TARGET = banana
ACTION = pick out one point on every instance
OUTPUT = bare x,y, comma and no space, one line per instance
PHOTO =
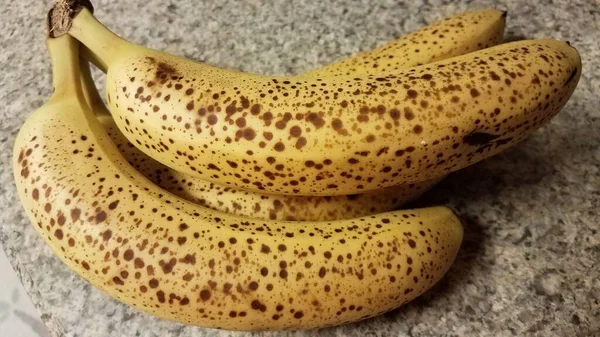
334,135
455,35
180,261
458,35
248,203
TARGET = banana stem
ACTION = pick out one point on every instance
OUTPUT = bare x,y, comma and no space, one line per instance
90,91
65,66
91,57
102,43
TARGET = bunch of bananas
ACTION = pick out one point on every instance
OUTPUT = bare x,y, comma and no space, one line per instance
250,202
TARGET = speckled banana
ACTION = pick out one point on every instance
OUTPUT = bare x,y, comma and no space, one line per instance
249,203
255,204
455,35
333,135
184,262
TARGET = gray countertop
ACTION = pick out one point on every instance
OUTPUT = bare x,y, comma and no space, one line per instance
530,261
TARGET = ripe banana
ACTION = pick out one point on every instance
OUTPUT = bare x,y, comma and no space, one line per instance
334,135
455,35
181,261
248,203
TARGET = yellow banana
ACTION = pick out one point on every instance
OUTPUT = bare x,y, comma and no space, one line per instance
248,203
334,135
175,259
455,35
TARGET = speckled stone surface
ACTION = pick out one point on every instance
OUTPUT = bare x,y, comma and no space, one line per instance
530,262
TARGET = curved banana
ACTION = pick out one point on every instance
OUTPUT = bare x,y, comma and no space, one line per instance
183,262
458,34
334,135
455,35
249,203
475,30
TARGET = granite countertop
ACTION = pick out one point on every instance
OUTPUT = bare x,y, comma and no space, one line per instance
530,261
